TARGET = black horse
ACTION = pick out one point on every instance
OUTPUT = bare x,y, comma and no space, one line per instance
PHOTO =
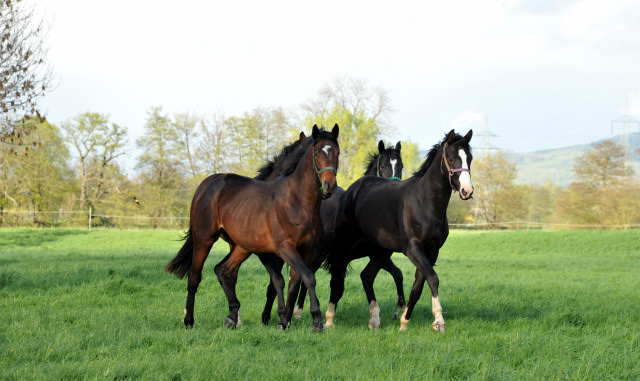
279,216
408,217
386,163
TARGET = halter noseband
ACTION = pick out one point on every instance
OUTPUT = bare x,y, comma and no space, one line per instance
319,172
378,170
449,170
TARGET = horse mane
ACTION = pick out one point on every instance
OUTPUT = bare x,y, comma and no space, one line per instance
293,163
276,161
372,158
431,156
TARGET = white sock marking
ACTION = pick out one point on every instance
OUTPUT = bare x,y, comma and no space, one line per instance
374,311
331,312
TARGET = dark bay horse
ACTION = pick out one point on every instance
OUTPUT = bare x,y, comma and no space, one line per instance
385,163
408,217
279,216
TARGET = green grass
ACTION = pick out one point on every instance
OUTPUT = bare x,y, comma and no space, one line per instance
77,304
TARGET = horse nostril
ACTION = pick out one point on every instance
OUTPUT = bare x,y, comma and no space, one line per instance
464,192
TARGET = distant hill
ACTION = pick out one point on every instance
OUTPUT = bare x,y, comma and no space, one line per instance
557,164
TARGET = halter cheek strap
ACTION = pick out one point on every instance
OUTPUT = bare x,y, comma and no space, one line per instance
449,170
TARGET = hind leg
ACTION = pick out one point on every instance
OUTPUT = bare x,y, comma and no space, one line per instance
368,276
396,273
201,249
273,265
227,272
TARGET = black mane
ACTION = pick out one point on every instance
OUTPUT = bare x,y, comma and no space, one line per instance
277,161
293,163
431,156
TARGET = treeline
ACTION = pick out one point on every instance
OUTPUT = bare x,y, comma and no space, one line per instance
76,166
605,193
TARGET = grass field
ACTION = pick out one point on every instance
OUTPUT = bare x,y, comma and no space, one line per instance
78,304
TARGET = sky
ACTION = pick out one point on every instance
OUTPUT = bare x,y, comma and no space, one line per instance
546,74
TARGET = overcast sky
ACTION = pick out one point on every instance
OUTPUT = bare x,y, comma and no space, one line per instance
546,73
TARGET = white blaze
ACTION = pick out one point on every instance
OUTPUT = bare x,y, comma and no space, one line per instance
465,177
326,149
393,167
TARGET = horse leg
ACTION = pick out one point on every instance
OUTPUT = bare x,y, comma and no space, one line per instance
273,265
368,276
316,262
227,272
201,249
338,271
424,271
290,255
396,273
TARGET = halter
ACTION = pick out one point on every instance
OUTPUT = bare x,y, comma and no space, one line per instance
449,170
378,170
319,172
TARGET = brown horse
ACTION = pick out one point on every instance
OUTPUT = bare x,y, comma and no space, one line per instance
280,217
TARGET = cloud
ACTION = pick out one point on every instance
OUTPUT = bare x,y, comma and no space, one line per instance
468,118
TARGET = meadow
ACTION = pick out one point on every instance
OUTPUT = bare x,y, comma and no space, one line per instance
79,304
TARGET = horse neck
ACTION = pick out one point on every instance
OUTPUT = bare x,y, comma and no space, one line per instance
434,187
305,182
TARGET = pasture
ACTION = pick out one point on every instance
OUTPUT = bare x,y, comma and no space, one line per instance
79,304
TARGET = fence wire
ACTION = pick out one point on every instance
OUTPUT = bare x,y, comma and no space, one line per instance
86,219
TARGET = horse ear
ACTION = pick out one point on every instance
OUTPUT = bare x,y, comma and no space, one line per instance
451,136
398,146
468,136
315,132
302,136
381,146
335,131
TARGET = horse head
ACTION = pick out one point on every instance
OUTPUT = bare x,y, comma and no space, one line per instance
326,154
456,159
389,162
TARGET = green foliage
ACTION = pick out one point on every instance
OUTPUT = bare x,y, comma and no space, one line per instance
604,191
518,305
39,178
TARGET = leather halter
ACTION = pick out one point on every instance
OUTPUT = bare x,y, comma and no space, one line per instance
449,170
378,170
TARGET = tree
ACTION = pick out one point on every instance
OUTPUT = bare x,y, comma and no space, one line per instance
24,74
161,183
493,177
257,136
214,147
39,179
602,165
361,111
604,191
98,144
185,125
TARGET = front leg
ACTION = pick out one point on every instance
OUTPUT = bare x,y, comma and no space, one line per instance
424,271
368,276
273,264
288,252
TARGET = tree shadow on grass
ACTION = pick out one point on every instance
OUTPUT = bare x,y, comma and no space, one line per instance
33,238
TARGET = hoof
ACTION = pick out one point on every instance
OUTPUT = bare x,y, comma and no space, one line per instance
317,329
395,316
265,320
230,323
374,324
438,327
297,313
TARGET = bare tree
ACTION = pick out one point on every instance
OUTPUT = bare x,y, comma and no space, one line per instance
214,146
24,73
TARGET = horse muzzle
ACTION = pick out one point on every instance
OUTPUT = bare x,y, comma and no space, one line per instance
328,187
466,192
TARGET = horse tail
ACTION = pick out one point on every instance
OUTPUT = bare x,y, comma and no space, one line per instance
181,264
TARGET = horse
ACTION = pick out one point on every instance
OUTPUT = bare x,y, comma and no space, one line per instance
386,163
408,217
279,216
